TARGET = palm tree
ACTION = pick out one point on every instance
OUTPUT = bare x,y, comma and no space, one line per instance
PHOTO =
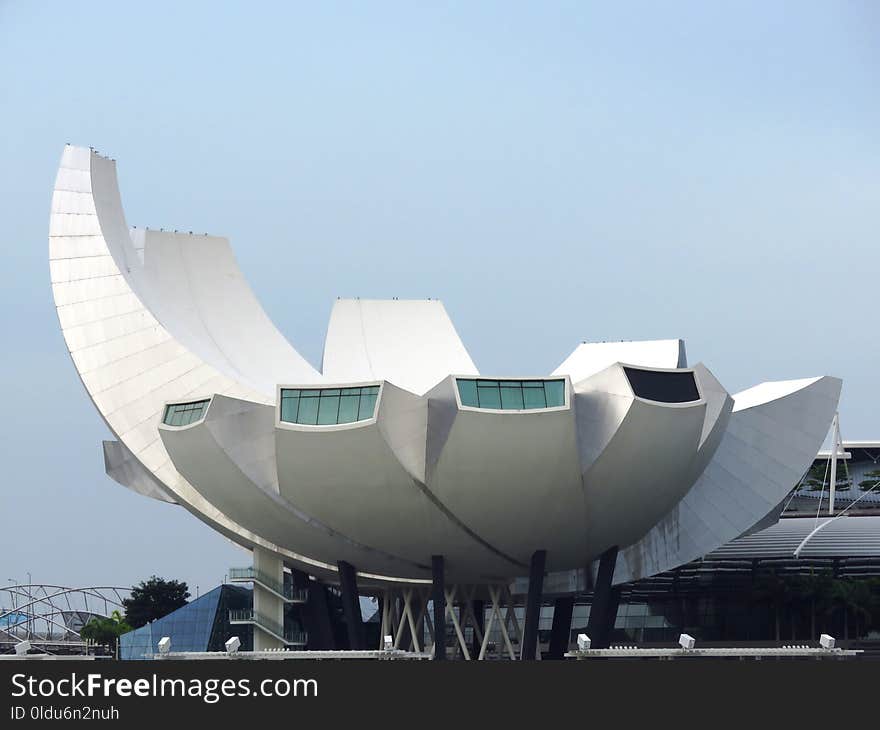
857,597
105,631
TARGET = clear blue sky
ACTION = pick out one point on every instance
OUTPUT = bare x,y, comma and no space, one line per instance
553,171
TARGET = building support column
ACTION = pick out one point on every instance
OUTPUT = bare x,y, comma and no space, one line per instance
560,633
533,606
315,613
351,607
438,597
479,611
606,599
416,608
266,604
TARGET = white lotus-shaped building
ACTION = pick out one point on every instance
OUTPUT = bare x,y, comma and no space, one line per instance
398,449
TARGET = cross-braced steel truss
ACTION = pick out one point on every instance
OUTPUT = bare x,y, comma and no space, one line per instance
53,615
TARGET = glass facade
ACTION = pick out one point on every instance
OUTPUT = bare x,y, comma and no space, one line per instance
189,628
328,406
200,625
183,414
511,395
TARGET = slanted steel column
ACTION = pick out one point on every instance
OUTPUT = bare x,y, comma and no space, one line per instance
316,613
560,632
606,599
416,608
533,605
479,609
438,597
351,607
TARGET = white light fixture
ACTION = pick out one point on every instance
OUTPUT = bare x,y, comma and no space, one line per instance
686,641
388,643
164,645
584,642
233,644
22,647
826,641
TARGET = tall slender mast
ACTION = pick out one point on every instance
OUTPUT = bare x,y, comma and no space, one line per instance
835,448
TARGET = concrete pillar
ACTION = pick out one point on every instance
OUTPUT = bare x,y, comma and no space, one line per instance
533,605
606,599
438,597
560,633
351,606
267,604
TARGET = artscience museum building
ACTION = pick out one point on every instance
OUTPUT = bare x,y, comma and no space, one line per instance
397,469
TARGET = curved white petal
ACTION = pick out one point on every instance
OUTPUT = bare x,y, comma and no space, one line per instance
195,287
771,439
128,361
124,469
365,480
638,455
228,454
512,478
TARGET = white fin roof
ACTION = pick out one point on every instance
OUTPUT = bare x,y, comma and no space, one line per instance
590,358
411,343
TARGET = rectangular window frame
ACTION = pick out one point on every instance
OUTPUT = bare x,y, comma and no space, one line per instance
341,394
527,382
179,414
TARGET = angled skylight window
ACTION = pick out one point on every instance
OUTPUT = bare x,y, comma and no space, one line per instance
511,395
328,406
183,414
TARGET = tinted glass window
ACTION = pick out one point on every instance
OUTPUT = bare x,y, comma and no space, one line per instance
664,387
511,395
183,414
328,406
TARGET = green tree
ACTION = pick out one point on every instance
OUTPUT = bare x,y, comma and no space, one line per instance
105,631
773,589
859,601
154,598
872,481
816,477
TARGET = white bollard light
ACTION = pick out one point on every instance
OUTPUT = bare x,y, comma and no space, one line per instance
388,642
164,644
686,641
826,641
233,644
583,642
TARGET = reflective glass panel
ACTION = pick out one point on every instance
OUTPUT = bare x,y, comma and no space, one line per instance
534,397
328,411
308,410
348,408
328,406
183,414
511,395
367,407
488,394
554,390
289,408
467,389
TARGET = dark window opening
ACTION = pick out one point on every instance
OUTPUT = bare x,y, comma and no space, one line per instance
664,387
